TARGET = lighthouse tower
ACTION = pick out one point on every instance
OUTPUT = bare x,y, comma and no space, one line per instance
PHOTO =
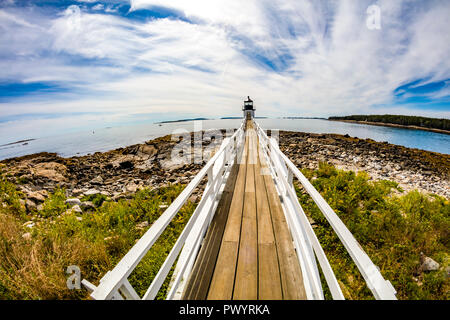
249,111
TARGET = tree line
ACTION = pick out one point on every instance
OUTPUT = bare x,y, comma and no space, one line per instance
434,123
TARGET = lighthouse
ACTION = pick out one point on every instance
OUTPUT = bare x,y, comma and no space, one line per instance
249,111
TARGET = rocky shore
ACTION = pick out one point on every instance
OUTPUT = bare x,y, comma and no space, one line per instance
120,173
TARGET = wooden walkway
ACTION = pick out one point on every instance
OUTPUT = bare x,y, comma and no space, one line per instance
247,253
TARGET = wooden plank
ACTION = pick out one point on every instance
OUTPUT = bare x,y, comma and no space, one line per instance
246,283
201,275
222,283
269,277
291,275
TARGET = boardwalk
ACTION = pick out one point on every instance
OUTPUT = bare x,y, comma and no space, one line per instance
247,252
248,237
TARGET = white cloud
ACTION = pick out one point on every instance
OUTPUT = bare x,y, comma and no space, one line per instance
98,7
335,64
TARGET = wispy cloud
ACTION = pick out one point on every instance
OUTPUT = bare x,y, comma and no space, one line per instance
314,58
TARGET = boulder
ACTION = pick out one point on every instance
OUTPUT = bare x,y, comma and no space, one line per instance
73,202
124,162
146,151
91,192
87,205
172,164
428,264
50,170
30,205
97,180
131,187
76,208
36,196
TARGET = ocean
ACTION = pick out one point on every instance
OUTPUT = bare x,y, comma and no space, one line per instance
100,140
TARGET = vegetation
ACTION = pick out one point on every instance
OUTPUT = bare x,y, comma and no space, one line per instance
392,228
433,123
33,261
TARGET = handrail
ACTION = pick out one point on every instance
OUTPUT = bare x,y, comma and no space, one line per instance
381,288
116,279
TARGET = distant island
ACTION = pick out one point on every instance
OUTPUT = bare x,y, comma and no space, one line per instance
182,120
17,142
399,121
294,118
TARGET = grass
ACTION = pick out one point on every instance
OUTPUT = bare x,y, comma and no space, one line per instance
95,241
392,228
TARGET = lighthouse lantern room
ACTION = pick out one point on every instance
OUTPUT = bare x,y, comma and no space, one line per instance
249,111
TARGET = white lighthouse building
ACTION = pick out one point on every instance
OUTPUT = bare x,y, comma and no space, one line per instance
249,111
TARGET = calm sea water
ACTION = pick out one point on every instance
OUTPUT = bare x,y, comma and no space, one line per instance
82,143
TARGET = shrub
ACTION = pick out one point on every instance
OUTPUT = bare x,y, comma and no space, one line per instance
393,230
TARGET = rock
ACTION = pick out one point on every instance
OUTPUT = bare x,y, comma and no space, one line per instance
27,236
50,170
193,198
29,224
74,201
91,192
76,208
77,192
37,196
428,264
172,164
30,205
146,151
105,193
124,162
142,225
87,205
97,180
131,188
110,238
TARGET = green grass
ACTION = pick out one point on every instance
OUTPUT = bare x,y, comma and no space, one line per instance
392,229
35,268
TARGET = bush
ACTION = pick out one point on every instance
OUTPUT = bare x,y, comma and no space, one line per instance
392,229
95,241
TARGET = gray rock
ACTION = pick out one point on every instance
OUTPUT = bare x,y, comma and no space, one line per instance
76,208
97,180
142,225
429,264
37,196
72,202
91,192
131,188
30,205
87,205
77,192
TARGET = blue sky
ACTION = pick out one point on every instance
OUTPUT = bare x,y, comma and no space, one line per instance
94,63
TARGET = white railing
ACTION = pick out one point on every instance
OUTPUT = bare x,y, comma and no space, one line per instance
114,285
307,245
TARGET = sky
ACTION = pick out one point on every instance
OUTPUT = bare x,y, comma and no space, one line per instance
67,65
